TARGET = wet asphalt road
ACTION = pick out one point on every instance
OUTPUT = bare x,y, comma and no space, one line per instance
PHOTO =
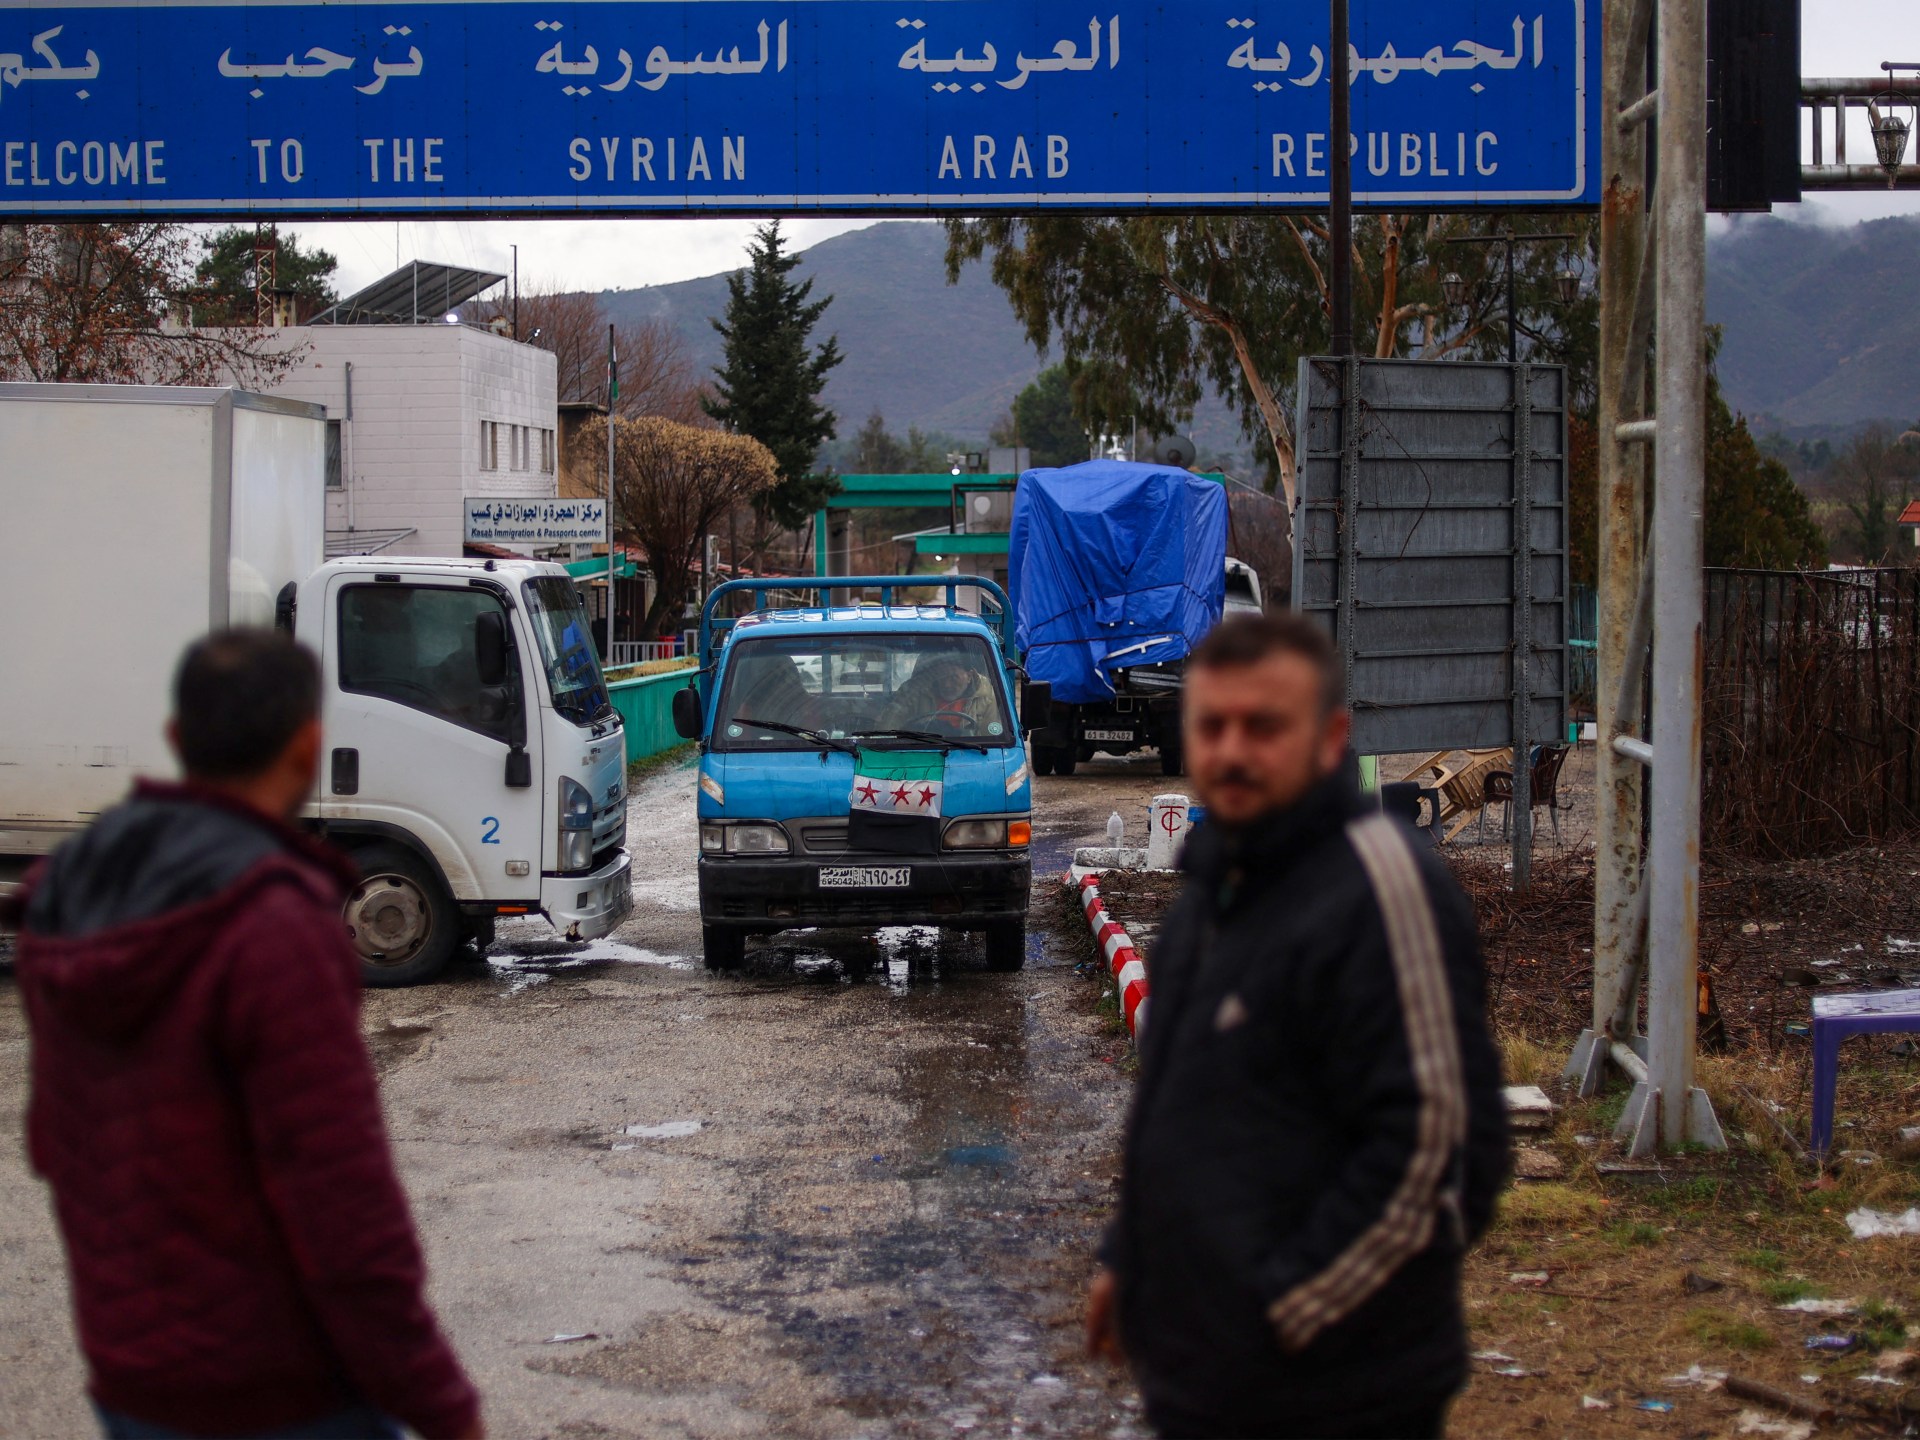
866,1207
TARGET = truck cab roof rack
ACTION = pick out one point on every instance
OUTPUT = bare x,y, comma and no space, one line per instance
995,614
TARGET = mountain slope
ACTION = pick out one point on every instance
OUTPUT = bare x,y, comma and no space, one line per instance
1818,320
943,357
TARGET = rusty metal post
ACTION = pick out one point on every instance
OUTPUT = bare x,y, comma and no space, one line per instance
1618,784
1680,461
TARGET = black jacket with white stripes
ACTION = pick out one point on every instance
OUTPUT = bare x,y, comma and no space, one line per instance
1318,1131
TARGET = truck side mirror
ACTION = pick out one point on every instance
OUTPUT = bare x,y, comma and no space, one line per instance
1036,699
686,713
490,647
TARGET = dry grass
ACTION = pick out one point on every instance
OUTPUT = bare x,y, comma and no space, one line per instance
1757,1227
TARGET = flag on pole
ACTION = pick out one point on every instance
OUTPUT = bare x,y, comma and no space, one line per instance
895,802
613,371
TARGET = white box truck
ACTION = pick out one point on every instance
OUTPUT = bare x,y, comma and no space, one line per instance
474,765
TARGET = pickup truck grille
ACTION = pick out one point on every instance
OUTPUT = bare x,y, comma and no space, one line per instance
823,837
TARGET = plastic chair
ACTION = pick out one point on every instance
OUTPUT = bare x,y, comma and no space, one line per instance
1544,767
1407,799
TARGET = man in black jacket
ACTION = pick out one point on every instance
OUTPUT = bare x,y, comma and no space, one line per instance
1318,1132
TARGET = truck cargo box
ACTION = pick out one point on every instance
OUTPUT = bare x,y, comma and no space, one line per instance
137,517
1113,565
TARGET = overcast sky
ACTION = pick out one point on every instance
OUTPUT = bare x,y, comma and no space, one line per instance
1839,37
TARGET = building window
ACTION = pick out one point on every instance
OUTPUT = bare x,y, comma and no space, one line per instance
489,445
334,480
546,453
519,447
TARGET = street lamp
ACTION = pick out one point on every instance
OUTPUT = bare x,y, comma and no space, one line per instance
1889,130
1457,291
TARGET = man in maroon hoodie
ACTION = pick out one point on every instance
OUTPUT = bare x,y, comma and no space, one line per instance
203,1106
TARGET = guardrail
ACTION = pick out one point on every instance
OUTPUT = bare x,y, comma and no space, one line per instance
645,704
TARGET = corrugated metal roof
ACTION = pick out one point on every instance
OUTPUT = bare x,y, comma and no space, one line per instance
419,292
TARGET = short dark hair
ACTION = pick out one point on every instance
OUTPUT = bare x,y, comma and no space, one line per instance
1249,639
239,697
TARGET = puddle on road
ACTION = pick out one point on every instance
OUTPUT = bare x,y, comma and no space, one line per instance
522,964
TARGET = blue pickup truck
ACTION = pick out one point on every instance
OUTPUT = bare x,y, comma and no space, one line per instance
861,764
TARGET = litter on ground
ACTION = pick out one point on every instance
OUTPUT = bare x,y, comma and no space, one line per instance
1865,1224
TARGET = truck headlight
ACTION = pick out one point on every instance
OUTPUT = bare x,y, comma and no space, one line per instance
756,840
976,835
576,850
576,826
713,838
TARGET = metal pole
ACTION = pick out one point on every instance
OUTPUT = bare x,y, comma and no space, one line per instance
1673,872
1618,781
1513,350
1340,196
1520,807
613,391
516,291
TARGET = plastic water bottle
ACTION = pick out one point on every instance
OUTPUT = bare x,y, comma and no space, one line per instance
1116,830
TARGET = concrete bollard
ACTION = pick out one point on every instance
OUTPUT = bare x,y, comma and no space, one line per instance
1166,828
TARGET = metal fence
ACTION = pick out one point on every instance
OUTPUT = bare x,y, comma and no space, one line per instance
1812,709
1583,655
642,652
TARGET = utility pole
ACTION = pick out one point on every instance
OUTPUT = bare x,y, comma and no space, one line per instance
613,394
1651,592
516,290
1340,196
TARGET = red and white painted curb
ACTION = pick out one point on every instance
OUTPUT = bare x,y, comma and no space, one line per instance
1129,970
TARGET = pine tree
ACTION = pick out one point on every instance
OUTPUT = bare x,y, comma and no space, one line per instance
769,382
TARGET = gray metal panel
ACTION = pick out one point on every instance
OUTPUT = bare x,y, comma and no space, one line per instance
1414,566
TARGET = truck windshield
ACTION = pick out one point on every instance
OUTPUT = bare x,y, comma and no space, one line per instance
850,686
566,648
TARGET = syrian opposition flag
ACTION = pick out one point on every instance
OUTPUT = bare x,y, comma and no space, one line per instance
895,804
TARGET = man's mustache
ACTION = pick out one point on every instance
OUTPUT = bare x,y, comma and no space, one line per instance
1233,775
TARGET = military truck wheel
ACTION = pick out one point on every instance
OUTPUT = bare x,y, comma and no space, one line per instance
1007,946
1042,761
400,917
1064,762
1173,760
725,949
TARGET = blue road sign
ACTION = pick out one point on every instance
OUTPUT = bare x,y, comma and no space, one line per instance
663,106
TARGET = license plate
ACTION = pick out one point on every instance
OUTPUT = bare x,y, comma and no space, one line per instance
1126,735
865,877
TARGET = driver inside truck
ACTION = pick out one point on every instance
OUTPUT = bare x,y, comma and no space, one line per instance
945,690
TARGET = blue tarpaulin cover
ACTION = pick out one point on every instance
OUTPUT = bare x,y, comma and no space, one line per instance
1108,557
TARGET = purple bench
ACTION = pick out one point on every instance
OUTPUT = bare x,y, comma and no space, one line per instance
1835,1017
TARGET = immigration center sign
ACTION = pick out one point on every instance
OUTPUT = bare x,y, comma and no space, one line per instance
862,106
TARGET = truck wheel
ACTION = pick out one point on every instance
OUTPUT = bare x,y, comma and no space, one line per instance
1006,946
725,949
400,917
1064,762
1042,761
1173,760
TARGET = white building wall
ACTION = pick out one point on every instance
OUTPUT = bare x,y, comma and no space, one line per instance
411,451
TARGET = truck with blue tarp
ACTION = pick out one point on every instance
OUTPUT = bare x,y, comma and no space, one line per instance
861,761
1117,570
